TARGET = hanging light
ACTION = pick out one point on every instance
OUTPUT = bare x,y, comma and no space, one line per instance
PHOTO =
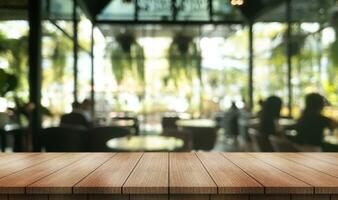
237,2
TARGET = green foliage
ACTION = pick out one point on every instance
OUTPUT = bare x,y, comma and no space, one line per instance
61,48
15,52
184,60
331,86
8,82
127,58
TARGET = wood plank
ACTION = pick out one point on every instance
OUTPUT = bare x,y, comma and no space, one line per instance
274,180
11,185
229,178
27,197
334,197
270,197
67,197
150,176
110,177
308,161
326,157
63,180
149,197
188,176
7,158
107,197
323,183
229,197
3,196
18,162
310,197
190,197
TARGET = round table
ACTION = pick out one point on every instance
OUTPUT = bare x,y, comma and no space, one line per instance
123,122
196,123
145,143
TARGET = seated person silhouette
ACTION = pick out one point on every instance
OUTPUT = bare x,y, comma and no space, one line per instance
75,118
270,115
310,126
231,126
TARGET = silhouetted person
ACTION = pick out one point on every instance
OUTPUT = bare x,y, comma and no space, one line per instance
269,115
310,126
75,118
86,108
231,121
260,103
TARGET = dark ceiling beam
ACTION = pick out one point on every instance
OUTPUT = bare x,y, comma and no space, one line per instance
93,7
158,22
14,7
253,9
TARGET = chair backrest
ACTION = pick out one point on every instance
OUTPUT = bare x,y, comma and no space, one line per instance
281,144
98,137
74,119
136,125
260,141
64,139
204,138
169,122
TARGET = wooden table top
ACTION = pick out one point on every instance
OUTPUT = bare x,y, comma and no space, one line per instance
169,173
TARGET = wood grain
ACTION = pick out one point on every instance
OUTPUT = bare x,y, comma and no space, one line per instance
188,176
16,162
67,197
16,183
7,158
323,183
229,197
3,196
174,176
274,180
270,197
326,157
229,178
150,176
62,181
108,197
189,197
27,197
148,197
310,197
325,167
110,177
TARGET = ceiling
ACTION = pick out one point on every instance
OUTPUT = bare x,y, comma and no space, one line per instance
161,18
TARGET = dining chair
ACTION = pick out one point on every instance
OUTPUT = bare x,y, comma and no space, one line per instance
98,137
64,139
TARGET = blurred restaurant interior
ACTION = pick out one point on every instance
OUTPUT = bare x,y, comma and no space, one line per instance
168,75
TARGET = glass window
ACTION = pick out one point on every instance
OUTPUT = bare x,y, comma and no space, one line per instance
192,10
154,9
223,10
270,64
14,58
118,10
57,68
